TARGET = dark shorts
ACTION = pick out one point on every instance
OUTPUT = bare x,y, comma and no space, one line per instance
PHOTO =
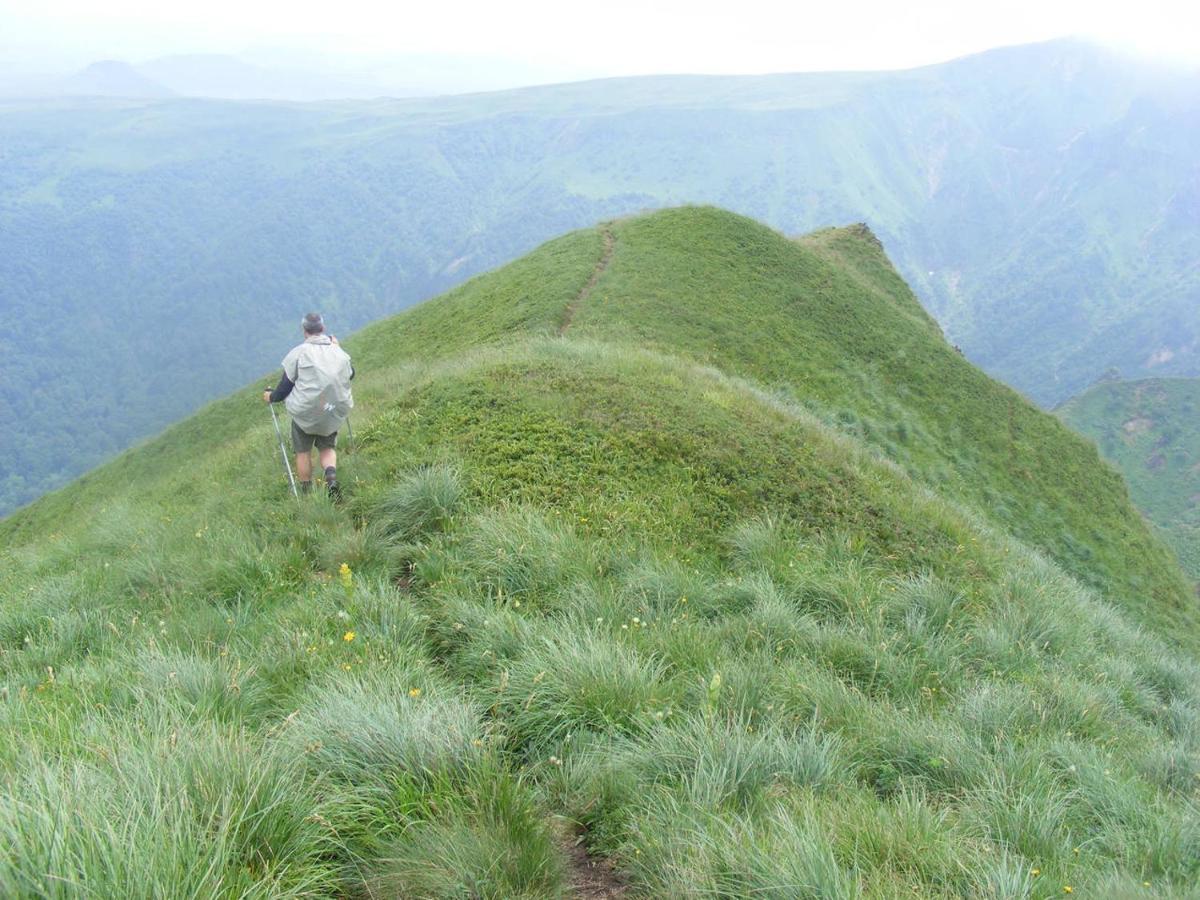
302,441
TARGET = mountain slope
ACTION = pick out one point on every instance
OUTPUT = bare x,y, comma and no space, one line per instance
605,574
1040,200
828,321
1148,429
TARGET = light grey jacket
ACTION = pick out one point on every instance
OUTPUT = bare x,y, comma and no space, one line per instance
321,398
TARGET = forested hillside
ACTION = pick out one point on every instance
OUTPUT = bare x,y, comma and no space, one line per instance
1150,430
1042,201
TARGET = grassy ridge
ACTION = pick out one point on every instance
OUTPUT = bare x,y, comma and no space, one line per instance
828,322
1149,430
600,583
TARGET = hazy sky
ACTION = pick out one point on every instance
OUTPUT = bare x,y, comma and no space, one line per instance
597,37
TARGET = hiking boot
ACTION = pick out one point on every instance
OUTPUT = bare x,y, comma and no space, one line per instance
331,485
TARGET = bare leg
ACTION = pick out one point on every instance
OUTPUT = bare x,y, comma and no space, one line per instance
328,458
304,467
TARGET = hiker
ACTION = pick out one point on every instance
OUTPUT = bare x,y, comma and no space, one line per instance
316,387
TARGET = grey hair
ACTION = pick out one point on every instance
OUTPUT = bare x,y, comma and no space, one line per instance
312,323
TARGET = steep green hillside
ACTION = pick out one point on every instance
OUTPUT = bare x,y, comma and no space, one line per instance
1150,430
624,563
134,231
826,321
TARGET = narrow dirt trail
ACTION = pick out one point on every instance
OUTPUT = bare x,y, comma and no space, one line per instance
597,273
589,877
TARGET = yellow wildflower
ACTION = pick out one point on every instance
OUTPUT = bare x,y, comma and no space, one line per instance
346,576
414,692
348,636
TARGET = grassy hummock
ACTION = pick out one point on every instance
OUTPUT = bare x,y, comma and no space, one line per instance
672,583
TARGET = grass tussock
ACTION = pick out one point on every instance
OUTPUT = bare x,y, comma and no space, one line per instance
194,812
419,504
489,840
375,728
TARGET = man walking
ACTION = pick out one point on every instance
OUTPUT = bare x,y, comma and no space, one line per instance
316,387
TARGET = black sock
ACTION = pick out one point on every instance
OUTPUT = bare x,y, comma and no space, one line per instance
330,473
306,487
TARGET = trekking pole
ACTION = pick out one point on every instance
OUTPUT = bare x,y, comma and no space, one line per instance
283,451
350,435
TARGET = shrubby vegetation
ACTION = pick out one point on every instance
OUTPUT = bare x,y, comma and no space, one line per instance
594,590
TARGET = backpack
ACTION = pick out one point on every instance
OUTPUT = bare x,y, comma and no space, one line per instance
321,398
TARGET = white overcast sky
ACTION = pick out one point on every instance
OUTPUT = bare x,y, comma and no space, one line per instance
615,37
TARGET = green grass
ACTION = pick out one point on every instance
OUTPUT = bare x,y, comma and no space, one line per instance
666,591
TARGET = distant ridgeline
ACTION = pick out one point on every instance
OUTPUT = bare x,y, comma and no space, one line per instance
156,253
678,558
1150,430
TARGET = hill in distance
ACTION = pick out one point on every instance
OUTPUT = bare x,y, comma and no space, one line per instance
1041,201
112,78
676,538
1150,430
288,76
215,75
